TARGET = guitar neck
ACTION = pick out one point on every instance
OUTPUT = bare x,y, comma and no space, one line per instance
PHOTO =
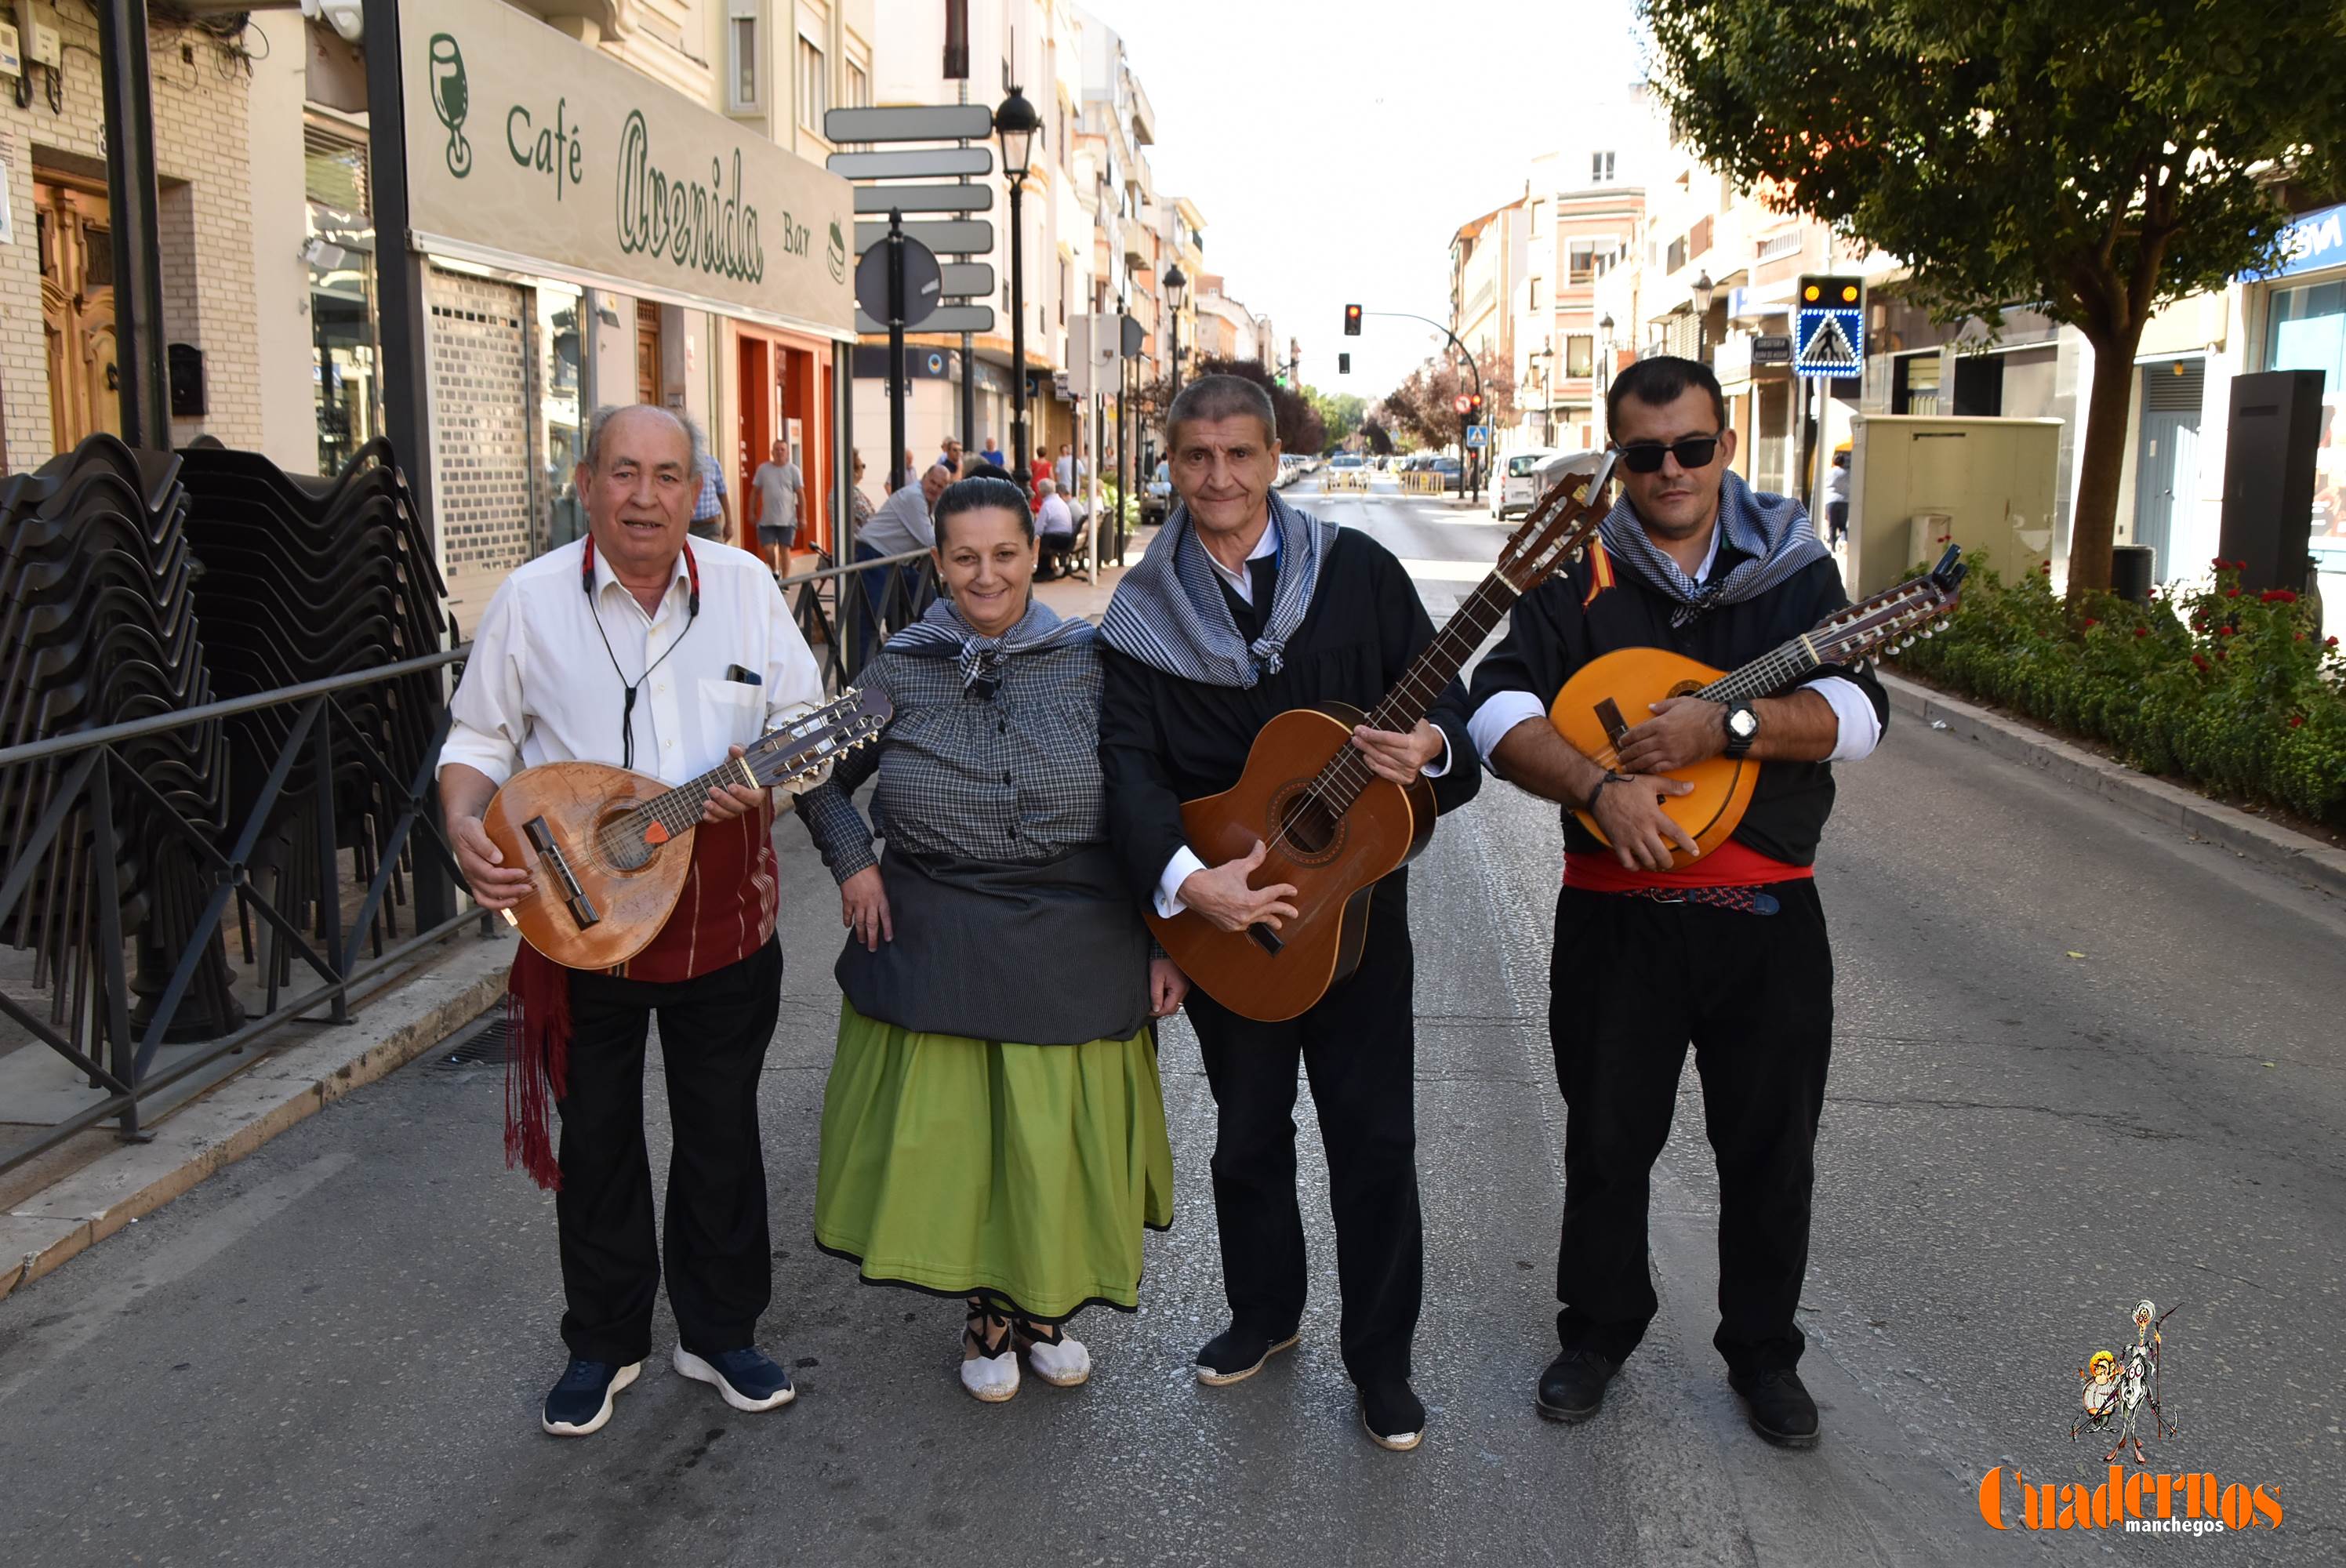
1770,673
1438,665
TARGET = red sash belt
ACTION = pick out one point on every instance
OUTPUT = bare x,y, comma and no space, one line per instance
1734,864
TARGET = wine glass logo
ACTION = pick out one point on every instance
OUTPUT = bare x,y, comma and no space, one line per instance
450,99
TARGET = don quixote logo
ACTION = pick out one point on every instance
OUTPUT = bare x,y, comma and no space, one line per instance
2118,1399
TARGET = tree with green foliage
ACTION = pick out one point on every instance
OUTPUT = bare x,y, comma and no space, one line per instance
1299,425
2094,162
1341,413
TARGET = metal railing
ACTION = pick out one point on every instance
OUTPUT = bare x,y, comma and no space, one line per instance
844,619
86,773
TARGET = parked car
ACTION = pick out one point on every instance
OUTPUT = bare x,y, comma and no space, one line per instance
1454,476
1516,485
1157,497
1347,463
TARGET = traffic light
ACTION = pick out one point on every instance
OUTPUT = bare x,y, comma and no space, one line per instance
1474,405
1832,293
1343,365
1352,321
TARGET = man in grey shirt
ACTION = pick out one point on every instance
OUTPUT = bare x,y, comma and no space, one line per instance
781,492
902,524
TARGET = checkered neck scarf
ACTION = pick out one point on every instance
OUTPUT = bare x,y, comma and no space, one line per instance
940,632
1773,530
1169,613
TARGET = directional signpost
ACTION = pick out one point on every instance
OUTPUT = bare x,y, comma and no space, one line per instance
967,237
925,198
896,283
927,122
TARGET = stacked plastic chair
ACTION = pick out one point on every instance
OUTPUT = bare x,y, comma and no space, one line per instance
305,579
98,626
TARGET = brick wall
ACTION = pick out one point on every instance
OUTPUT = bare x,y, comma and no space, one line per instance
200,129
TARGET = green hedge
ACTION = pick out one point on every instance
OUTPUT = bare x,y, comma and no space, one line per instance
2238,691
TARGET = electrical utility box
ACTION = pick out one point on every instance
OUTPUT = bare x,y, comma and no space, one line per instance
1919,482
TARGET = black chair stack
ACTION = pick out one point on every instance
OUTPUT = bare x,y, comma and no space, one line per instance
306,579
98,626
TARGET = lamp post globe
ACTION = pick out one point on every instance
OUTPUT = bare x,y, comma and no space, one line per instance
1016,122
1703,290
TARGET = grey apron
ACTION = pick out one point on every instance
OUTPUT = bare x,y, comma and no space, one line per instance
1047,954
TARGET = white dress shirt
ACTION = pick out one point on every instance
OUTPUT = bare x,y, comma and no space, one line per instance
540,687
1860,728
1185,859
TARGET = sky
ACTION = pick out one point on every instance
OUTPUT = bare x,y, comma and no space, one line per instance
1334,145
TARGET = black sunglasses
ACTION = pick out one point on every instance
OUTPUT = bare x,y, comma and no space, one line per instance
1691,451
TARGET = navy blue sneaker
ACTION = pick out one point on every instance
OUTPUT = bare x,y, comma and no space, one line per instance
747,1378
581,1403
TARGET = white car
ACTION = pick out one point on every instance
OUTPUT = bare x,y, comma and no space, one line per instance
1528,474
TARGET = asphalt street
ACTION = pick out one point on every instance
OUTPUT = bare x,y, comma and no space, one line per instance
2079,1061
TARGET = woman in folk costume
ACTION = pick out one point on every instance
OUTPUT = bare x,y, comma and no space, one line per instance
992,1128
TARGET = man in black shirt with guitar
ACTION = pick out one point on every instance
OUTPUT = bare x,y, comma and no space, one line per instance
1661,941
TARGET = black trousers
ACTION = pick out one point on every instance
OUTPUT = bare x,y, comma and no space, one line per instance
1359,1044
714,1030
1632,983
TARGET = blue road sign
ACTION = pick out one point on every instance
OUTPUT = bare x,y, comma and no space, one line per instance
1829,327
1478,436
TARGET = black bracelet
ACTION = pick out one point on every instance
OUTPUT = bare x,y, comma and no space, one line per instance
1598,788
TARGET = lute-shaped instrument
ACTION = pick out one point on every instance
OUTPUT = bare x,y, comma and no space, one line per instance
1593,710
608,849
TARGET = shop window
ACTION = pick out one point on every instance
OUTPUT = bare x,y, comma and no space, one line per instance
742,93
814,85
340,252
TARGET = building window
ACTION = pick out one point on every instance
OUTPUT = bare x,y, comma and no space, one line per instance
1676,257
814,85
741,86
1914,384
1065,285
1580,262
1577,359
1698,238
1600,168
1533,302
1777,245
1539,211
859,87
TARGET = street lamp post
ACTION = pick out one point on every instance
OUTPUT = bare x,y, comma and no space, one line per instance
1174,284
1545,355
1703,290
1604,355
1016,122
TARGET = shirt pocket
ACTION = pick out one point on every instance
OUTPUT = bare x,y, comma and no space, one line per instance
734,711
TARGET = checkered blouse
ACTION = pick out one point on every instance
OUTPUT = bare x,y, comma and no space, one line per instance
1013,776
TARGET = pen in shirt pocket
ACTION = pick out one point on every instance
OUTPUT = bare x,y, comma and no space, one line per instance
746,676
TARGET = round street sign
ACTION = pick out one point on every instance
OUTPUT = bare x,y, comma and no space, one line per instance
922,282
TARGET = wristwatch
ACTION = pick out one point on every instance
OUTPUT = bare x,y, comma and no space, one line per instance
1742,728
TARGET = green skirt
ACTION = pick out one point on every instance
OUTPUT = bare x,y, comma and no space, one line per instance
1023,1174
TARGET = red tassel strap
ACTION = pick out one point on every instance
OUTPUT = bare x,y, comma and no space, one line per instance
537,1062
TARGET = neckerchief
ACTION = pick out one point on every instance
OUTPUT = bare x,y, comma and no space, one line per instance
1168,612
1774,531
940,632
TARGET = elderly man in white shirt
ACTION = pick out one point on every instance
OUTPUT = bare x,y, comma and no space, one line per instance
635,647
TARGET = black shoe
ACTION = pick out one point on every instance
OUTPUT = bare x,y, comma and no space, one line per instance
1394,1416
1779,1407
746,1379
1572,1387
581,1403
1236,1354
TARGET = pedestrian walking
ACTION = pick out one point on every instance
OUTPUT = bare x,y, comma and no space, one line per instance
781,489
1723,574
1243,608
712,509
1837,497
983,1135
637,648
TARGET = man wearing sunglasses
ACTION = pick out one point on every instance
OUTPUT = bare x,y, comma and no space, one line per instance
1727,952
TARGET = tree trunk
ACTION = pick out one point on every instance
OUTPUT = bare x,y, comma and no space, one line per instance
2101,461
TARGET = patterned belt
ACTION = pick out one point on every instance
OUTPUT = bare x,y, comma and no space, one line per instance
1743,900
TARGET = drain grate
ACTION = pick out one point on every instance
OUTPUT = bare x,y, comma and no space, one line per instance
485,1043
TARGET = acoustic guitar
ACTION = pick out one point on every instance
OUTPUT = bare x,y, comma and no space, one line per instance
1332,827
1592,710
608,849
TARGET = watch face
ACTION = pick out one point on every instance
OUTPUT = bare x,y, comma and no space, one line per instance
1742,723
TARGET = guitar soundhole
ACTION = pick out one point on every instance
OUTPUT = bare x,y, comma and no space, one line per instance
1686,688
621,846
1307,828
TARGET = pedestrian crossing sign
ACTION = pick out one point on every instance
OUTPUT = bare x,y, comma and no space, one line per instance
1829,327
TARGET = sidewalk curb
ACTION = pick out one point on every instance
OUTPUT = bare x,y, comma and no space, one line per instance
209,1134
2277,848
